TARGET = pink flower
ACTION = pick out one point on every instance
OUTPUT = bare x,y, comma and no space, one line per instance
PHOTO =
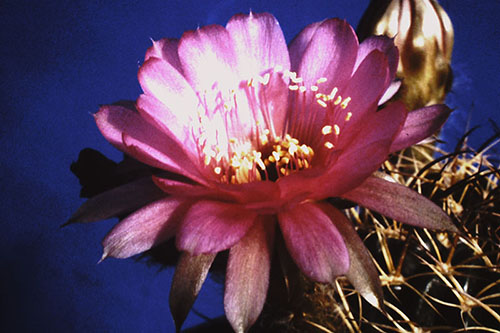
259,135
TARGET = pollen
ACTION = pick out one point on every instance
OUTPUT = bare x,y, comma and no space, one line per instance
322,103
326,130
345,102
336,129
338,100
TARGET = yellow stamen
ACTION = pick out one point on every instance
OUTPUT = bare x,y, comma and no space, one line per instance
326,130
348,116
337,129
320,102
345,102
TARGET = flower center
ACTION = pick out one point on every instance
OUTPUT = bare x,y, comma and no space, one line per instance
240,142
275,158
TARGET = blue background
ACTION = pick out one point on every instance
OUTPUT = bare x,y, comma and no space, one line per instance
58,61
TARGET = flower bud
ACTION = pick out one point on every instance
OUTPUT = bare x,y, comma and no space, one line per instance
423,33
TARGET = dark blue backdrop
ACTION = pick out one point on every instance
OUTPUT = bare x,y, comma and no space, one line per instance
58,61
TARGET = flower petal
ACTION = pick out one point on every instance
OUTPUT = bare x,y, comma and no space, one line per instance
118,201
362,272
247,275
190,273
336,42
259,43
180,188
129,132
419,125
390,92
365,89
161,80
207,56
376,126
299,45
383,44
260,46
314,242
364,152
143,229
211,226
400,203
172,122
166,49
163,154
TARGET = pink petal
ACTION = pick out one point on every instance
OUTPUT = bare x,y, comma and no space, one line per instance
181,188
362,272
390,92
208,57
118,201
260,46
336,43
247,275
419,125
383,44
172,122
313,242
261,197
211,226
190,273
300,43
353,169
363,153
273,101
143,141
143,229
376,126
400,203
163,154
161,80
113,120
166,49
365,89
258,42
254,192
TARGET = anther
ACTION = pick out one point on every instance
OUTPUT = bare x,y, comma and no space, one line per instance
336,129
320,102
345,102
326,130
328,145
